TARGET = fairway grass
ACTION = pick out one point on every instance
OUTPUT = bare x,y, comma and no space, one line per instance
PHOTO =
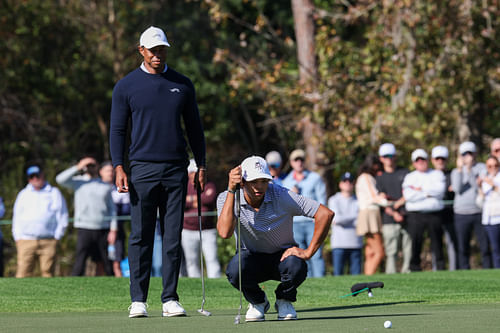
460,301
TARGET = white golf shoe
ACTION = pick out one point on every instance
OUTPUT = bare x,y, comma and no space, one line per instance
173,309
285,310
256,312
137,309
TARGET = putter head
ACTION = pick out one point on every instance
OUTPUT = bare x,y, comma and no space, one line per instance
204,312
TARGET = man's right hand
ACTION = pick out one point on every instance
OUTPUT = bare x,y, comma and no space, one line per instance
121,179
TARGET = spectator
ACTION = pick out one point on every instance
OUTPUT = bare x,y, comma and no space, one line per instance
160,106
394,228
346,245
423,190
116,251
464,182
273,159
495,148
369,223
268,248
39,221
489,192
439,156
94,215
2,212
191,231
310,185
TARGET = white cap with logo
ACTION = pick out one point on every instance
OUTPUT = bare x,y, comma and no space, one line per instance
152,37
440,151
387,149
419,153
467,147
255,167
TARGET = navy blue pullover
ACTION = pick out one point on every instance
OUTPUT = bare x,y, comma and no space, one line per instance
155,103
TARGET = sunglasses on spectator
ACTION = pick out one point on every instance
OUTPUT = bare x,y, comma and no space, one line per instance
299,159
388,156
34,175
492,166
440,158
420,159
467,153
274,166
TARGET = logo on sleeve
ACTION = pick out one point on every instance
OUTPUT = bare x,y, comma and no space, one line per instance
175,90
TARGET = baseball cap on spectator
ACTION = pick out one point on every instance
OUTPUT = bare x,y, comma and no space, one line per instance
33,170
255,167
152,37
387,149
273,159
347,176
419,153
467,147
440,151
192,166
297,153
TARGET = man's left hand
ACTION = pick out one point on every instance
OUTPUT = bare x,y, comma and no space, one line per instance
295,251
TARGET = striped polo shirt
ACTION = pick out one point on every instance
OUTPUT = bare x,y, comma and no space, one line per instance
270,229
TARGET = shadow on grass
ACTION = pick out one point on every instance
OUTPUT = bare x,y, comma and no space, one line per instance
333,308
385,315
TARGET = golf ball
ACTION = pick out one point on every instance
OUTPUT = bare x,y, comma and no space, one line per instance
387,324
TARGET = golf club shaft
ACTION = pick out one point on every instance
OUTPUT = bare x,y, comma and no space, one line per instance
198,198
238,202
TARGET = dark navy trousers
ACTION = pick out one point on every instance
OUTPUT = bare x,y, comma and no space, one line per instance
156,188
259,267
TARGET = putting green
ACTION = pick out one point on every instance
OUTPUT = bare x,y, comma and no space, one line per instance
405,317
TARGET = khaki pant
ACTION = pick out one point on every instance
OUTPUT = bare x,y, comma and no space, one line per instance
27,252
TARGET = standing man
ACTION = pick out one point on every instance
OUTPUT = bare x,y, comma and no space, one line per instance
310,185
423,190
155,98
95,213
394,228
268,249
39,221
275,163
464,181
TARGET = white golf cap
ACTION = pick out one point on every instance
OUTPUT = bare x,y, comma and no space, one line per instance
419,153
387,149
255,167
440,151
297,153
467,146
152,37
273,158
192,166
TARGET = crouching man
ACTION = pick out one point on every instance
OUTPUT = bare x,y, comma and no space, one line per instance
268,250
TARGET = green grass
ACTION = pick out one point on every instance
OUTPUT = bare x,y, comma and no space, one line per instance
459,301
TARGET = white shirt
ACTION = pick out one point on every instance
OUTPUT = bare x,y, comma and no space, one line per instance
429,198
39,214
270,229
490,206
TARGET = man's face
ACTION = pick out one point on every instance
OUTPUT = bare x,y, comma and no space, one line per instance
421,164
274,169
388,161
439,163
346,186
256,189
154,58
495,149
297,164
37,180
106,174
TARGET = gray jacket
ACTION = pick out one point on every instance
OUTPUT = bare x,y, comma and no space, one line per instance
464,184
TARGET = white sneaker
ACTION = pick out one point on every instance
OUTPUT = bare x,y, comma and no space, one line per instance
137,309
285,310
173,309
256,312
